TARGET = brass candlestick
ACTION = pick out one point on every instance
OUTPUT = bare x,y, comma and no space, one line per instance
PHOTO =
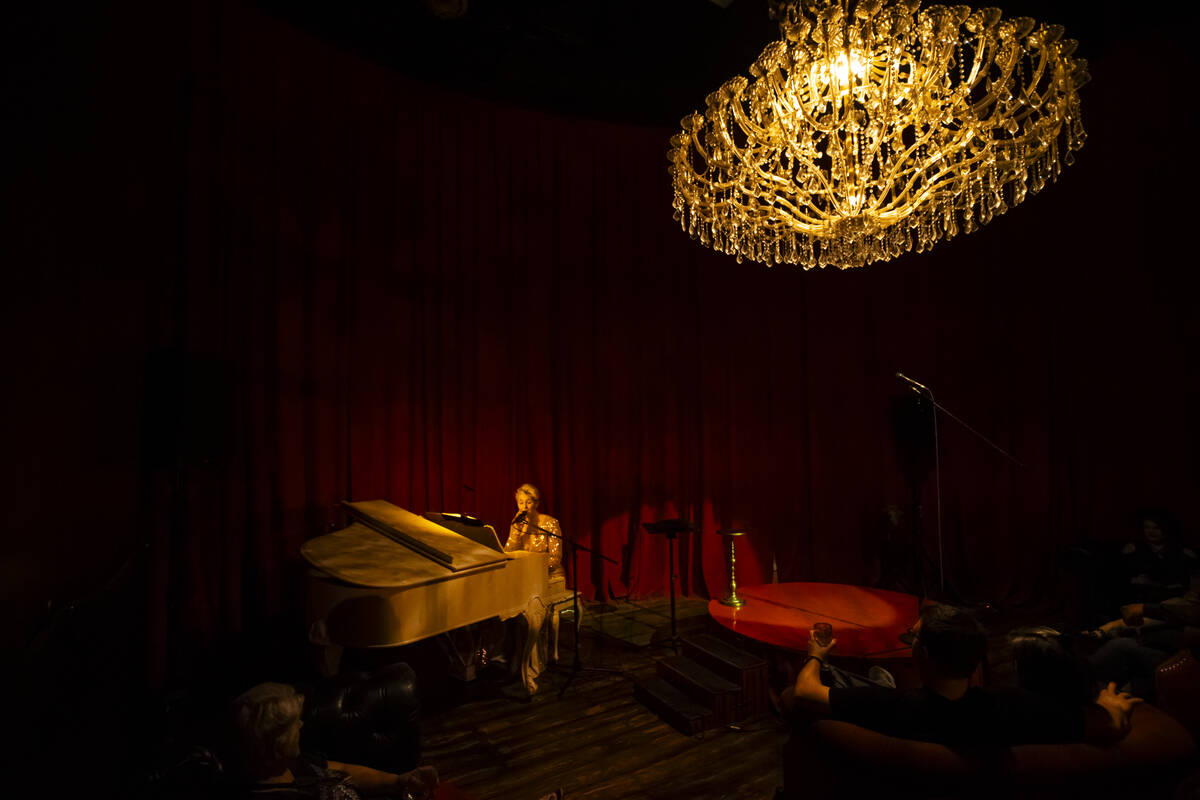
732,598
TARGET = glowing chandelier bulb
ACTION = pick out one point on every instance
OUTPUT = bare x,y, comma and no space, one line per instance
845,66
870,129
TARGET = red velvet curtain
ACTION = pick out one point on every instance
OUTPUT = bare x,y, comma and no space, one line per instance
380,289
424,297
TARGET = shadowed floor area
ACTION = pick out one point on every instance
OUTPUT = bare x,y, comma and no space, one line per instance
597,741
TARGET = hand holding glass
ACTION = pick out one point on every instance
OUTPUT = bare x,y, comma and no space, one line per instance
822,633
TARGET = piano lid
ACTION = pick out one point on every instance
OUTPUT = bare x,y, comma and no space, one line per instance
439,544
359,555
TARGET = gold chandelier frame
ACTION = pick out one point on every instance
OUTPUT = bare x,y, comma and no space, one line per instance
872,128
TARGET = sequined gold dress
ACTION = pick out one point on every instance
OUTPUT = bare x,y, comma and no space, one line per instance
523,536
527,645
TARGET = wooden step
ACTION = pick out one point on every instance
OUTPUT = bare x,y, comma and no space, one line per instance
702,685
676,708
748,671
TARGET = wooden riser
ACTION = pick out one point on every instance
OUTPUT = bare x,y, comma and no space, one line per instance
748,671
676,708
702,685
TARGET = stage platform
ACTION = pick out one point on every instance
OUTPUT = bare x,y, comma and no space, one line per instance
866,621
646,621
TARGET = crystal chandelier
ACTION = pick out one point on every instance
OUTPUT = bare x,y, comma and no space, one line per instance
870,129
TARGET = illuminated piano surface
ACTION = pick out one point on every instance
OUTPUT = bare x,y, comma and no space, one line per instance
393,577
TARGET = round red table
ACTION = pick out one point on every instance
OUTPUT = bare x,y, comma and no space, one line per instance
866,622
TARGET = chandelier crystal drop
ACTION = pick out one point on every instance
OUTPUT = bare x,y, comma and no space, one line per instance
872,128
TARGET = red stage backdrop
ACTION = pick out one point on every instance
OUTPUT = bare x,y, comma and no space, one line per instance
366,288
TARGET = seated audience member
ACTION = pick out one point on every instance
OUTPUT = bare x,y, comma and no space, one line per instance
1145,636
1156,565
1047,667
832,676
949,646
267,726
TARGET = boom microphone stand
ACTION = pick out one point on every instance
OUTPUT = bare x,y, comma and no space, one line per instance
925,392
576,663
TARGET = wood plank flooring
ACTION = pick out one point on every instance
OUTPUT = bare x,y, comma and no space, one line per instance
597,741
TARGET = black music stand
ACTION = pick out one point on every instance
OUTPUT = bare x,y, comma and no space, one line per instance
671,528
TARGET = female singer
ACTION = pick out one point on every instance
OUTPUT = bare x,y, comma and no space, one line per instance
523,534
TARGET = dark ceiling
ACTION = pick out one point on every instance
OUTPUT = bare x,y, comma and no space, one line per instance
644,61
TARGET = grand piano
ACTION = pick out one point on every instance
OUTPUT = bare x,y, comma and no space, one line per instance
393,577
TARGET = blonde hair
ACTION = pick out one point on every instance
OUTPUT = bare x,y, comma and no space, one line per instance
265,719
531,490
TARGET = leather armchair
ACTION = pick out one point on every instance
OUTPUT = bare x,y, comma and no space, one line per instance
364,718
1177,689
837,757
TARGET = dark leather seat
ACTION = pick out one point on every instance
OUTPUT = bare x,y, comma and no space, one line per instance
364,718
839,758
1177,689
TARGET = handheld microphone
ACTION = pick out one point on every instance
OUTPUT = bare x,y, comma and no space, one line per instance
917,384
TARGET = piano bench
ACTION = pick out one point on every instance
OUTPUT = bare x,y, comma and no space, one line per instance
558,599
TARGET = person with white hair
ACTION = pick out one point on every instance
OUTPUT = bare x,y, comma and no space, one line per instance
519,642
530,526
267,721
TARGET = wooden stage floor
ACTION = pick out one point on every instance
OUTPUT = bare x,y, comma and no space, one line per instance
598,742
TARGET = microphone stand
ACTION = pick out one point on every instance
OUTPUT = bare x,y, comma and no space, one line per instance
576,663
924,391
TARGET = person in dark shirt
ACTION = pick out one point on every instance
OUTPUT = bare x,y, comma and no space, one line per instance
1048,666
1156,565
950,644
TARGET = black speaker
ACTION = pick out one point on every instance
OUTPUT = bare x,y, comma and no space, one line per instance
912,430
